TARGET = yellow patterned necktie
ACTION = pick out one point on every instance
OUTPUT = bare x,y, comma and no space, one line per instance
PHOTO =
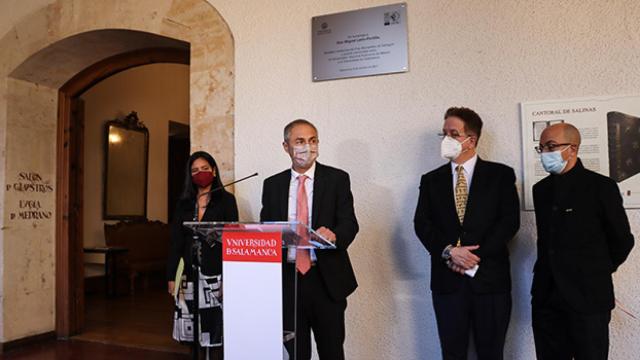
461,195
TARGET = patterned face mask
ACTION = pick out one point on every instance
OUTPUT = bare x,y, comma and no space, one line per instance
305,155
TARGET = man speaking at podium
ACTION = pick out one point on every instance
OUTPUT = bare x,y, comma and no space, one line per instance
318,195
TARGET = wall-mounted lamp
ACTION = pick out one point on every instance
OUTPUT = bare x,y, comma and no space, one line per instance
115,138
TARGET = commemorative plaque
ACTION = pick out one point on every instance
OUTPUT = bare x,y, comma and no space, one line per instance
362,42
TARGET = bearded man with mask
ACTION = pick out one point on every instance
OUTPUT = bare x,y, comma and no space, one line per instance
583,237
320,196
468,210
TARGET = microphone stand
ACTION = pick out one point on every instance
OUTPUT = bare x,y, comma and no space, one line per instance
196,260
229,184
196,257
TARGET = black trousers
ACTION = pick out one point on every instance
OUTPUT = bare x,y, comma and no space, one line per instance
318,312
459,312
561,333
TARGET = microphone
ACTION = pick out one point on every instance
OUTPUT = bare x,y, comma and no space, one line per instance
229,184
236,181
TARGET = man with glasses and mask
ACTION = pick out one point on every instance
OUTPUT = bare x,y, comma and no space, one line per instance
583,237
467,212
320,196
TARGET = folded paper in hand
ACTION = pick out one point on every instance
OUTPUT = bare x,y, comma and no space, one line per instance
472,272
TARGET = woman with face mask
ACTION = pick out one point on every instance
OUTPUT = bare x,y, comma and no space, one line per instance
203,199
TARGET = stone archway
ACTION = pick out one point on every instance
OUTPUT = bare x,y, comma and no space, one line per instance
47,49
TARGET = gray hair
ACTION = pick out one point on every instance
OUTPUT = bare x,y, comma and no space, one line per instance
287,129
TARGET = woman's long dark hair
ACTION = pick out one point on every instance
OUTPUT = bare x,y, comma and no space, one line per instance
190,189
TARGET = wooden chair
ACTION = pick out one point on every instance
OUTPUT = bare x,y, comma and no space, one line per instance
147,243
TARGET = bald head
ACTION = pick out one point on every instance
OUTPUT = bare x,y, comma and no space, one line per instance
562,133
570,132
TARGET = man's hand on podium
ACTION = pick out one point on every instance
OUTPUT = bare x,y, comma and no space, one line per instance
327,234
171,287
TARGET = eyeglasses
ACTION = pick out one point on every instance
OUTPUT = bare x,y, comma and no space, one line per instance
454,135
549,147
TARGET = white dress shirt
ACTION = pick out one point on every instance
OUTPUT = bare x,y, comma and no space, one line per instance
468,166
293,202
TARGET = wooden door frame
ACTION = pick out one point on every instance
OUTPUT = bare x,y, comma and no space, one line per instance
69,180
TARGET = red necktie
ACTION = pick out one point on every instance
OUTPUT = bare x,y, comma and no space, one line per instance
303,257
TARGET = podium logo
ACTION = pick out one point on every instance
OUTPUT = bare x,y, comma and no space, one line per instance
252,246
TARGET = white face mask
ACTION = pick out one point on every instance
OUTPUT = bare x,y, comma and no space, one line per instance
304,155
552,162
451,148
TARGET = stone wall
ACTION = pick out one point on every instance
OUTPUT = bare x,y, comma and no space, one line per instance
46,45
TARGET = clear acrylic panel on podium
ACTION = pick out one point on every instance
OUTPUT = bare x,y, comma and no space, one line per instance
295,235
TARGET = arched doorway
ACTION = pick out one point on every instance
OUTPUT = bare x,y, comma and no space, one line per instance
71,45
69,242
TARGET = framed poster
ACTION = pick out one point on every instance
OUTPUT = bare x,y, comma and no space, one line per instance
610,131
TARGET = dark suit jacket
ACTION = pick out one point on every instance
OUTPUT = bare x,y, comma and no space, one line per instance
583,236
222,208
491,219
332,208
